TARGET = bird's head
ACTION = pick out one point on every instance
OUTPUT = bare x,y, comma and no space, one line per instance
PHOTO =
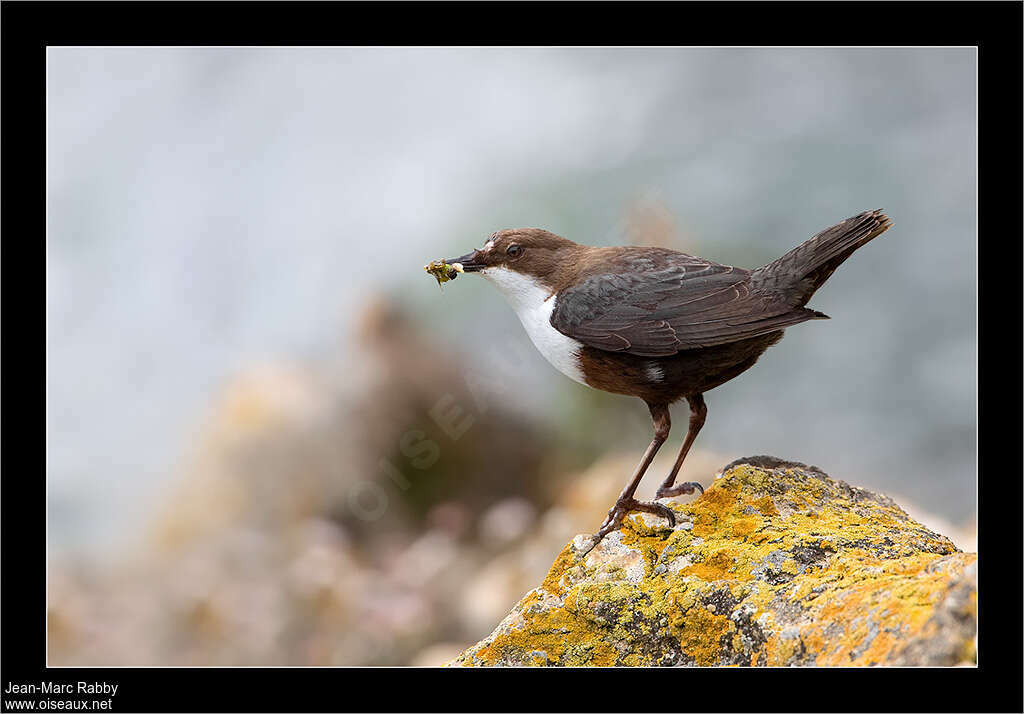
518,259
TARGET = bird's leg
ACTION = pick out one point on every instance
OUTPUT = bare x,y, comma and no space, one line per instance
698,411
626,502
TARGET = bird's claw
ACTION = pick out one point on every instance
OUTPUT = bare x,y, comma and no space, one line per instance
679,489
619,511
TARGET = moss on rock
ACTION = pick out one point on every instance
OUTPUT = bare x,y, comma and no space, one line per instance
775,565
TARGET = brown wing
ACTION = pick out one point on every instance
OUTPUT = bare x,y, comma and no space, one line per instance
656,304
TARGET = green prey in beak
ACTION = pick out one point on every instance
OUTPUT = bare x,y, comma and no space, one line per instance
443,271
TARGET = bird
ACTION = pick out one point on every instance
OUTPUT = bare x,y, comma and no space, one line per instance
656,323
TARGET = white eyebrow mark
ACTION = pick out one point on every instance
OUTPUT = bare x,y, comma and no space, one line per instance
489,245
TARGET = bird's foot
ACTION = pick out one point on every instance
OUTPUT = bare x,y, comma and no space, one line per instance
679,489
618,512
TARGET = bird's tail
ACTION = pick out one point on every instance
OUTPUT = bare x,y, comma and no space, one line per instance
801,271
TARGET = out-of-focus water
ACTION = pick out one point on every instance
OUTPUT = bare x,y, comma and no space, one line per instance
209,208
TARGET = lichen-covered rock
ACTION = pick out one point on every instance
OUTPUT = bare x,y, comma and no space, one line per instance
776,564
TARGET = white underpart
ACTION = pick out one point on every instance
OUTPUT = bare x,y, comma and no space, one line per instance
534,304
654,372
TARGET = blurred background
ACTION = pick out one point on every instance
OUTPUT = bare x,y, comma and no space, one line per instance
271,438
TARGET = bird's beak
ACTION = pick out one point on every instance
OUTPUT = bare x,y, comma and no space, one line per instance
469,262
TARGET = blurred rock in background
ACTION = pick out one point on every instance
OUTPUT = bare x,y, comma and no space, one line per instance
325,517
383,443
262,555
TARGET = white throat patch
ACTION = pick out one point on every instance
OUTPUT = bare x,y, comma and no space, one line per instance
534,304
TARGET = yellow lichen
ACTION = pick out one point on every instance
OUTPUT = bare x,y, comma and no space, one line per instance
700,633
565,560
651,542
720,566
861,574
742,527
765,505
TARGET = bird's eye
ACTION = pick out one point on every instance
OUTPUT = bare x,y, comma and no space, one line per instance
513,250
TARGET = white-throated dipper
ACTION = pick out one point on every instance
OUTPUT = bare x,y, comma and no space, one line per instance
655,323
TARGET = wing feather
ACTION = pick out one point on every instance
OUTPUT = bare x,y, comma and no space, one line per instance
672,302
